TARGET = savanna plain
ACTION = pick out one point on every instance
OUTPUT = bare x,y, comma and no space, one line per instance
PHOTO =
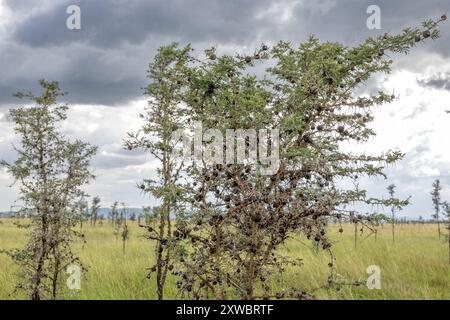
414,267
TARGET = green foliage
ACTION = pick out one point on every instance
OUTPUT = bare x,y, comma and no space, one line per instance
238,218
163,116
50,170
436,199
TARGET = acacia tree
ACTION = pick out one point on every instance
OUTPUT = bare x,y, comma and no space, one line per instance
95,207
391,189
240,216
163,116
123,227
81,209
50,170
446,207
148,216
436,199
393,203
120,218
113,214
378,219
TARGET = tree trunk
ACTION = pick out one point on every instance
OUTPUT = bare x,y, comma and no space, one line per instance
159,259
393,227
36,290
55,274
439,227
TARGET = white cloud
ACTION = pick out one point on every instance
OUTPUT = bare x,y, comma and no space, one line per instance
281,12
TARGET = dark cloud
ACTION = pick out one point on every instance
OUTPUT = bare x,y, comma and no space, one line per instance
107,23
110,24
439,81
105,61
81,91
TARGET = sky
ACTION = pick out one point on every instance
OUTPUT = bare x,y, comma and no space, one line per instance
103,67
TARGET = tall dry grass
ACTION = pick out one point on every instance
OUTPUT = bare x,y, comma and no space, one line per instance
416,267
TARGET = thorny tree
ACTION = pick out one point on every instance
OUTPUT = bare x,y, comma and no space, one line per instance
436,198
391,190
163,116
120,217
114,213
81,209
124,232
446,207
95,207
240,217
50,170
394,208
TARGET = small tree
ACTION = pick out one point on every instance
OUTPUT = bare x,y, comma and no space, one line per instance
95,208
377,220
121,227
50,170
148,216
114,213
163,116
82,210
391,189
118,219
446,207
124,231
436,198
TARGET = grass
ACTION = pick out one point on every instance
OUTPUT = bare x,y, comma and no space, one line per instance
415,267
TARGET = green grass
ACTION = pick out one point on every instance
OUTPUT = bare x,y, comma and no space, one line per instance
416,267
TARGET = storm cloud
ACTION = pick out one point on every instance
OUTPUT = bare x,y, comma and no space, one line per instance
438,81
105,62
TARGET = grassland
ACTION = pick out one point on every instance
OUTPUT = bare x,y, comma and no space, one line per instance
415,267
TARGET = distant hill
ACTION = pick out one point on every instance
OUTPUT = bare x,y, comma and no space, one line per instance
104,212
6,214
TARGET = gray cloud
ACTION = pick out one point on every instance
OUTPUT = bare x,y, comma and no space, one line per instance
112,23
113,159
105,61
421,108
439,81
